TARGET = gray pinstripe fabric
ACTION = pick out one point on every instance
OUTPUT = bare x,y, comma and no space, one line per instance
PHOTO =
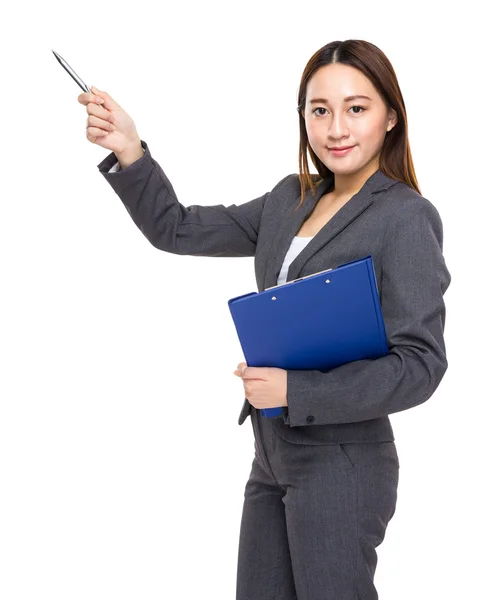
314,478
313,516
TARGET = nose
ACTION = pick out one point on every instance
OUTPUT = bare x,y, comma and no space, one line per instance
338,129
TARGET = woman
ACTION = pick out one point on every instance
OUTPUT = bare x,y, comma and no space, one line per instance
324,478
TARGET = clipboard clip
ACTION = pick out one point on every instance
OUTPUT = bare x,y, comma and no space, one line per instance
298,279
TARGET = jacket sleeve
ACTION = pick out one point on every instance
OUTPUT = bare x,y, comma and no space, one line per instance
414,279
151,201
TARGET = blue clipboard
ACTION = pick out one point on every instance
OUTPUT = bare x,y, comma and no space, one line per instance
319,321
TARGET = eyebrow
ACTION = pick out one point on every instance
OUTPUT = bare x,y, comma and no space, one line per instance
347,99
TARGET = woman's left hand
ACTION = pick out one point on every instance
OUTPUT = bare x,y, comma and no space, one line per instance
265,387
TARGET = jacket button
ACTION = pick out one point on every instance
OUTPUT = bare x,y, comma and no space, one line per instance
310,419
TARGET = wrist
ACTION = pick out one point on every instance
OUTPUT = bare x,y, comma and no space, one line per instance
130,155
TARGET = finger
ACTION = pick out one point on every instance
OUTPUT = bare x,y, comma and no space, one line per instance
87,97
240,370
94,132
93,121
109,102
252,373
100,112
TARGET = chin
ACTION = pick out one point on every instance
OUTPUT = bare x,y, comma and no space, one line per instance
341,168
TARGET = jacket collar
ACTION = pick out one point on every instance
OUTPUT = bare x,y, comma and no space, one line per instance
293,219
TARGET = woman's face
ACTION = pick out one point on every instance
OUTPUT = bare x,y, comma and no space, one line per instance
334,121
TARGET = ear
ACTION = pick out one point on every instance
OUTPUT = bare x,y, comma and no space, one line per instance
392,119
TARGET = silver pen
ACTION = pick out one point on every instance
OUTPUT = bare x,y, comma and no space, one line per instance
72,73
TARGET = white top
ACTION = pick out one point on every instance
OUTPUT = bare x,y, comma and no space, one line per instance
297,245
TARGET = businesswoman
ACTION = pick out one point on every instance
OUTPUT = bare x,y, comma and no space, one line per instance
323,485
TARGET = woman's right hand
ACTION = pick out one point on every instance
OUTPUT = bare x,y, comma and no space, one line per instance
108,125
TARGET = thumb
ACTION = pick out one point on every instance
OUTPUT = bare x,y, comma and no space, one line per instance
109,103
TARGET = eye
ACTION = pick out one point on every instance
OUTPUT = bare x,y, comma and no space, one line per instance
356,106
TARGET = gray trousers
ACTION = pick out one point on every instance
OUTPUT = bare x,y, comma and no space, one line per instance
313,516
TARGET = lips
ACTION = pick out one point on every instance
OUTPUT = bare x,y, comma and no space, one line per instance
341,153
340,147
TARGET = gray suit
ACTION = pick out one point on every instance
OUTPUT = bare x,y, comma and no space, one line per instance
330,415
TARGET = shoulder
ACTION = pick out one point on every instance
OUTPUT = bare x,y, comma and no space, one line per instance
403,205
289,183
411,221
289,187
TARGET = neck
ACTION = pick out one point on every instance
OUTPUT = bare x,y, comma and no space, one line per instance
348,185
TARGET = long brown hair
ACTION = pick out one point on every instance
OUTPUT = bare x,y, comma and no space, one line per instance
395,160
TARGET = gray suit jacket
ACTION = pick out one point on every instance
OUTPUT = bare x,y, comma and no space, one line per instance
386,219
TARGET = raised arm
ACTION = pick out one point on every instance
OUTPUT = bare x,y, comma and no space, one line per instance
151,201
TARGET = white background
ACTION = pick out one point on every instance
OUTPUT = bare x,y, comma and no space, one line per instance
122,466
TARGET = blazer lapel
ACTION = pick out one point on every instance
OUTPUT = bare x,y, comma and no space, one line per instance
292,221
